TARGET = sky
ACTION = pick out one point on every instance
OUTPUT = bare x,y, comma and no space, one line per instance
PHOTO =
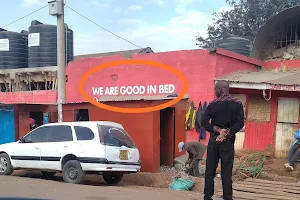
163,25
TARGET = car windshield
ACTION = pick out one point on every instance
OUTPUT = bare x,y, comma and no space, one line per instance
113,136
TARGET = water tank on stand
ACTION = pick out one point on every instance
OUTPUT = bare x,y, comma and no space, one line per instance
13,49
42,45
240,45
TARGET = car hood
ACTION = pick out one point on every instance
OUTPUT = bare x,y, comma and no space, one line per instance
7,145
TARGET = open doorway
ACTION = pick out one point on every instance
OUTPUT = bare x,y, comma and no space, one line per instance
38,117
167,136
82,115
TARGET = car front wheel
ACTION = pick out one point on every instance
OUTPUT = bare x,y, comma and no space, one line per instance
5,165
73,173
113,179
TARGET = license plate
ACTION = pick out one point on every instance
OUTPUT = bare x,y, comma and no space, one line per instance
123,154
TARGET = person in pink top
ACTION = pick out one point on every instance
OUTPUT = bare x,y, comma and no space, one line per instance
33,124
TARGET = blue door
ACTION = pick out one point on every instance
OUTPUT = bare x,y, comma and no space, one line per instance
7,124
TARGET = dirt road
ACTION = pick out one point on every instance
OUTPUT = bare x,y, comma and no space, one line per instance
56,189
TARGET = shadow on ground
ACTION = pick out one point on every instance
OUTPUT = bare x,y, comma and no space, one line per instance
155,180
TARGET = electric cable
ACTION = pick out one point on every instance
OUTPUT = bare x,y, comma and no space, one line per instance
103,27
25,16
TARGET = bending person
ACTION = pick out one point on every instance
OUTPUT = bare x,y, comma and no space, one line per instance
294,153
196,151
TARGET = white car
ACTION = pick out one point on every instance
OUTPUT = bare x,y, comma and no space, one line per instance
75,149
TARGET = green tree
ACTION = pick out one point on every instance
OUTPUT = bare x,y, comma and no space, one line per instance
244,19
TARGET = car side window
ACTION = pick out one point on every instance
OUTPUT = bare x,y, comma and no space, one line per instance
38,135
84,133
60,133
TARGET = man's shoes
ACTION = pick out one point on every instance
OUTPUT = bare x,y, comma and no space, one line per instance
289,167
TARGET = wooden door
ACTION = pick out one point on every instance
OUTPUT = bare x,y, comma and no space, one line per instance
240,136
287,124
167,137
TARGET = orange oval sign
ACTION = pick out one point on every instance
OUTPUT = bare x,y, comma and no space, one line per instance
135,62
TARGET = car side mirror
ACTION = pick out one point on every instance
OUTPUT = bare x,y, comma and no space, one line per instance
21,139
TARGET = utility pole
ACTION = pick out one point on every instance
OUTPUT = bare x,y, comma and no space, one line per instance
56,8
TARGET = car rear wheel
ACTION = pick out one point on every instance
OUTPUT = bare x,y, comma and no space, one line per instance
48,174
73,173
5,165
113,179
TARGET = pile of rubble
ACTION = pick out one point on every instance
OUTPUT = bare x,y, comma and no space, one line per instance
290,52
177,173
179,169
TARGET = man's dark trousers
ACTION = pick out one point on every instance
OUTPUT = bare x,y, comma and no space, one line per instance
294,154
219,151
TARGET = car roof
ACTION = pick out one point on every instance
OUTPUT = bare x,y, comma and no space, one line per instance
86,123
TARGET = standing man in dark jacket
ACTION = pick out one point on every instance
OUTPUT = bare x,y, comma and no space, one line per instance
227,118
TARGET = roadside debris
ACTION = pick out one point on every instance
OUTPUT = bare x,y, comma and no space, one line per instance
181,184
179,163
177,173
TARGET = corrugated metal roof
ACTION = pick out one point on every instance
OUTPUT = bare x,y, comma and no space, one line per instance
134,98
126,54
291,77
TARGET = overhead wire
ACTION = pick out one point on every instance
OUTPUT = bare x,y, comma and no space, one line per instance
24,16
102,27
79,15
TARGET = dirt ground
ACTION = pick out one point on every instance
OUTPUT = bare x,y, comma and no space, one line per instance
273,168
134,186
55,189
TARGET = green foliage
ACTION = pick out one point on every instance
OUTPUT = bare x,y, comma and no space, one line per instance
244,19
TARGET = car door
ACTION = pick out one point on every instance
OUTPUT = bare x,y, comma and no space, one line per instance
119,147
58,144
85,141
27,153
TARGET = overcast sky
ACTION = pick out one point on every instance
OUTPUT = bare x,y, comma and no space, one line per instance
163,25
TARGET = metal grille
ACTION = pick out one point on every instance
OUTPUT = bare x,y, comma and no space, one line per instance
285,42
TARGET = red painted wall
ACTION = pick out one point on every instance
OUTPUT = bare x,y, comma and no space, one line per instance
226,65
29,97
200,67
197,66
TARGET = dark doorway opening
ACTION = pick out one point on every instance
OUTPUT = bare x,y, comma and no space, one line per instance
82,115
167,137
38,117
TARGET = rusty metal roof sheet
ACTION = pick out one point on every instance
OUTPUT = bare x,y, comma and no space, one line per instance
134,98
291,77
126,54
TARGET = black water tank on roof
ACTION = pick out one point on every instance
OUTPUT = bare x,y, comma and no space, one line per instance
240,45
42,43
13,49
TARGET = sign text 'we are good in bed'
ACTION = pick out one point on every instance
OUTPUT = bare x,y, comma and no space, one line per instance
134,90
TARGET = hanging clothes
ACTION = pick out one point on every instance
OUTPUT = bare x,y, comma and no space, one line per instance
200,130
190,116
198,119
203,131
